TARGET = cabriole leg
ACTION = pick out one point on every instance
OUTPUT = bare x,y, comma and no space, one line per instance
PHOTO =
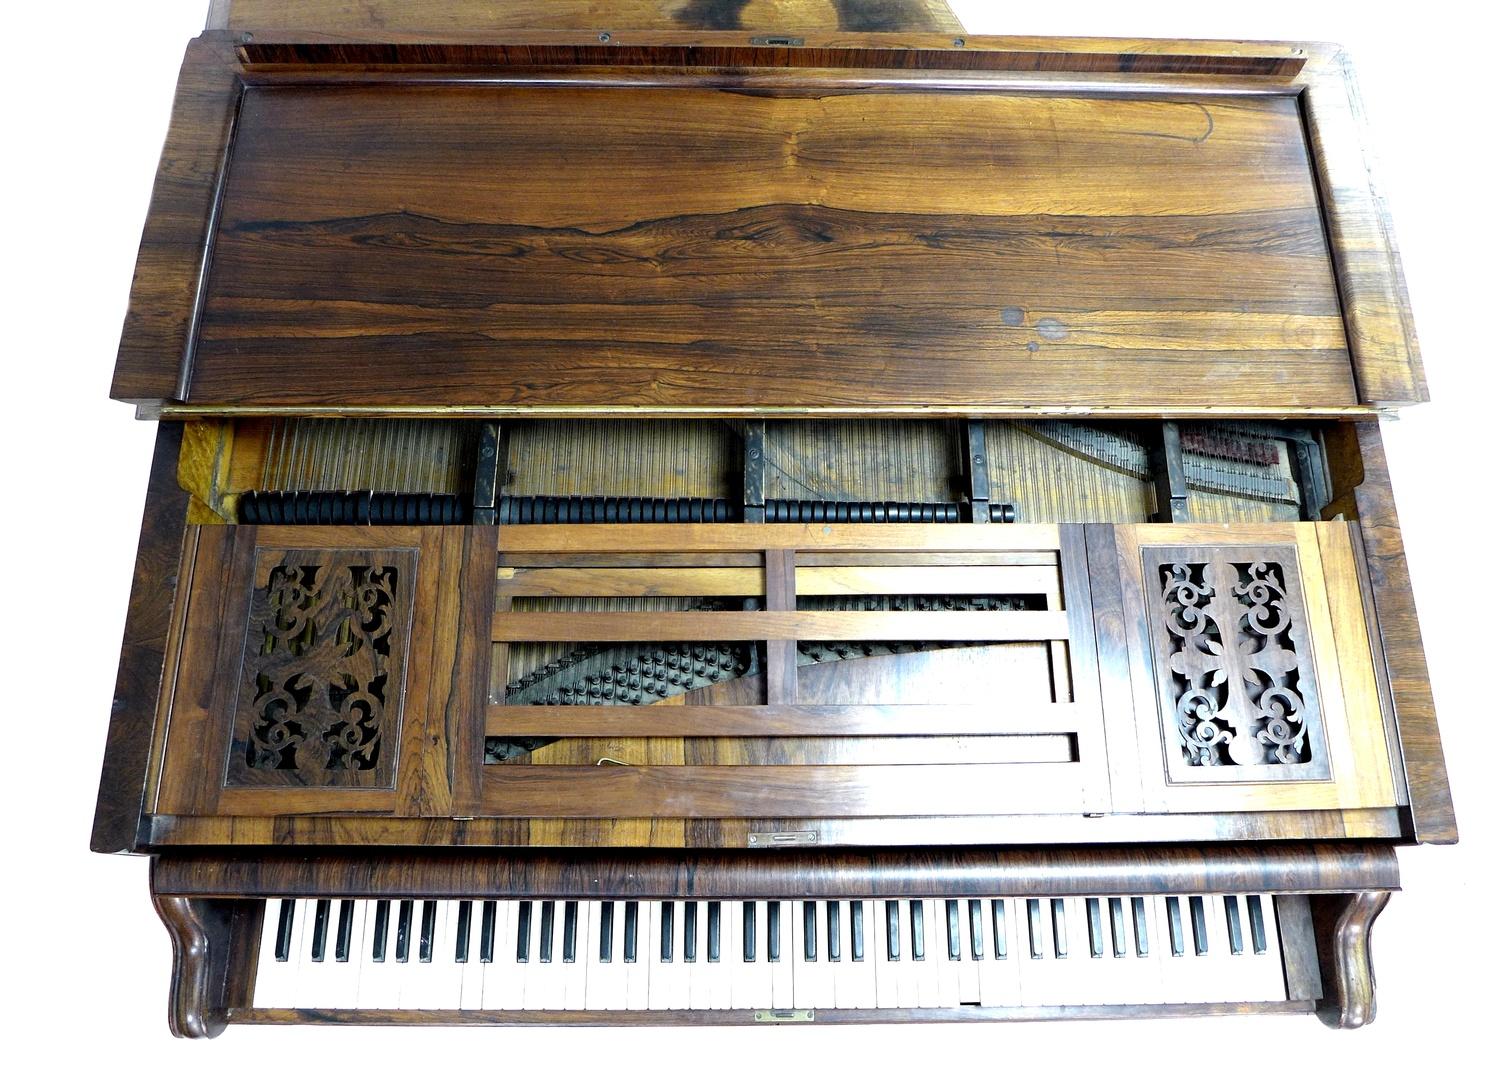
1343,926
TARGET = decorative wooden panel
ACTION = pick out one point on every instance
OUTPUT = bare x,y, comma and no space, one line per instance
1239,694
323,675
323,670
1248,666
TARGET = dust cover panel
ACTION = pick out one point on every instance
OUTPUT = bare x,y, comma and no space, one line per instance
649,248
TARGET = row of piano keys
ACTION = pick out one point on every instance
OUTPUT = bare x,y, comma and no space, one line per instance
768,955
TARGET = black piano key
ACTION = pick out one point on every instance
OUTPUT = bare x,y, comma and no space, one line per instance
976,929
403,931
1117,926
892,930
918,937
429,932
809,930
1138,912
747,926
955,940
773,932
1174,927
606,932
1200,926
1096,927
570,932
284,922
523,932
857,931
345,933
834,944
1059,929
997,923
632,919
320,930
666,932
487,932
716,934
465,921
690,933
1232,921
382,926
1034,926
548,923
1257,924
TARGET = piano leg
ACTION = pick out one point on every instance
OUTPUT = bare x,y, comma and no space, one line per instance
1343,925
201,933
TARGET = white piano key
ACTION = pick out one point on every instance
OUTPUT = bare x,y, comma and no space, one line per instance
929,967
950,950
832,940
343,988
379,981
782,993
1080,973
1038,952
674,967
999,971
971,942
504,978
862,973
802,969
535,992
638,970
275,980
307,984
606,980
754,983
574,972
471,971
1266,978
720,976
1174,955
887,959
736,991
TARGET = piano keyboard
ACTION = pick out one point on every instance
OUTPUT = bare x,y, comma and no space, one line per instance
768,955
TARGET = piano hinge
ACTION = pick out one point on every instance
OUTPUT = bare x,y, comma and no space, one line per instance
779,839
783,1016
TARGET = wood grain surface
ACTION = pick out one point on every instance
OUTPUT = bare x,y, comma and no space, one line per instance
667,247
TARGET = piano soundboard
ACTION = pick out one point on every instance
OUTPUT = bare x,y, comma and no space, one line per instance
705,517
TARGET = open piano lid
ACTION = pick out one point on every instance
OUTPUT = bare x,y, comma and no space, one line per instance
690,222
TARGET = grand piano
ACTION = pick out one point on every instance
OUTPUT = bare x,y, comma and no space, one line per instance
707,511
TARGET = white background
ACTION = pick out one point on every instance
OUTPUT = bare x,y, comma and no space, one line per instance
83,961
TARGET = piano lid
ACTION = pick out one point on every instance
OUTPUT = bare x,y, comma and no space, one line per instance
854,224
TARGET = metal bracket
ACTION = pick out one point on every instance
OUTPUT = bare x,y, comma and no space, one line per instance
781,839
783,1016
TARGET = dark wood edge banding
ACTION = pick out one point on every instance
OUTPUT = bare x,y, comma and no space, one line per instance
1303,868
117,814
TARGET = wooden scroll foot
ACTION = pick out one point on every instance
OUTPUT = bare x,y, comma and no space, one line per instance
200,941
1343,927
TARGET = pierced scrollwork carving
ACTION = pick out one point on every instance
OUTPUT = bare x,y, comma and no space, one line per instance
1237,676
322,677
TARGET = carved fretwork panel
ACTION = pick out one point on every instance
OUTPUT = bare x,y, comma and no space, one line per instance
1234,664
323,672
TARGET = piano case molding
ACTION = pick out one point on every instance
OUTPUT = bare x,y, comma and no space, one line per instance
1327,323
